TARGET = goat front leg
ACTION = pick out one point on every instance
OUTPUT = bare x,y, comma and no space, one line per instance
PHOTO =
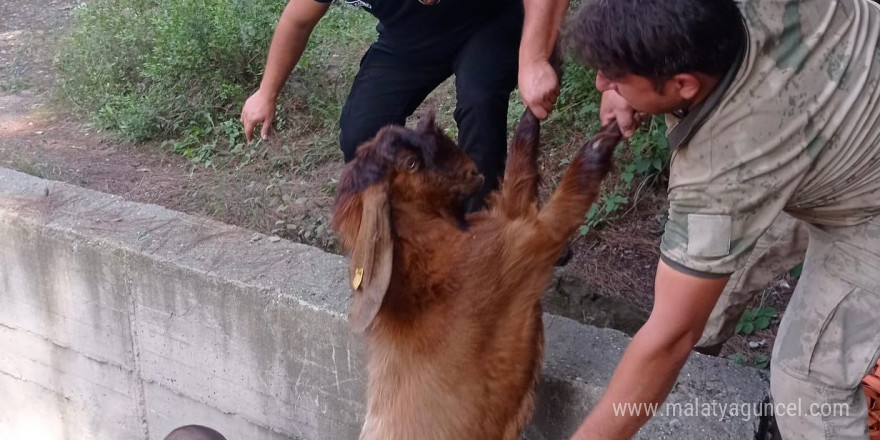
519,189
580,185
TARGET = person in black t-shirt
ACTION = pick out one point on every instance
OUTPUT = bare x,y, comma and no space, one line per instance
421,43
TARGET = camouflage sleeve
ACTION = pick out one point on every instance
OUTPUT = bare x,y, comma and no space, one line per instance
724,192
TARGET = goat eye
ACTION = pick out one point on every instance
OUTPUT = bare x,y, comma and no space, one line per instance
412,164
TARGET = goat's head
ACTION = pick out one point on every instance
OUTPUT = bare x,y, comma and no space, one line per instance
421,166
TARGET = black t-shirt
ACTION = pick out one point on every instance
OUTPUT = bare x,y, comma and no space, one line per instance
409,27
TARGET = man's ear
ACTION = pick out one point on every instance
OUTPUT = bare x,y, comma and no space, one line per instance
687,85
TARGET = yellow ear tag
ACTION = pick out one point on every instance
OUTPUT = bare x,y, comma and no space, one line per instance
358,278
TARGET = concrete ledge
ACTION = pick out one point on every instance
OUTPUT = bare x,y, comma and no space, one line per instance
122,320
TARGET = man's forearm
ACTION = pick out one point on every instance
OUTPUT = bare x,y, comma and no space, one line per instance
543,19
645,374
653,360
288,43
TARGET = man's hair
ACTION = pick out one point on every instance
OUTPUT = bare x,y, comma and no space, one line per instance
656,39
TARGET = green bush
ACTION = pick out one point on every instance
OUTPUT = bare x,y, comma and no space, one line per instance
753,320
151,69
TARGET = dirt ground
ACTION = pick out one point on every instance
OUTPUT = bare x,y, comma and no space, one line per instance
40,137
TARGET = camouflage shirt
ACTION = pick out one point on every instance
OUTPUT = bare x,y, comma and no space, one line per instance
794,126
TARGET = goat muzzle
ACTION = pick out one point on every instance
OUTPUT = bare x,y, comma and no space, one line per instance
475,179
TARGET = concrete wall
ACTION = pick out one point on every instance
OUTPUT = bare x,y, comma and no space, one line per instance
122,321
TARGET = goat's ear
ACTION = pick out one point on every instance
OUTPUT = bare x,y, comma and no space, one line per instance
370,265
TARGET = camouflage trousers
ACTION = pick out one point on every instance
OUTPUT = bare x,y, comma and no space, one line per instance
830,334
829,337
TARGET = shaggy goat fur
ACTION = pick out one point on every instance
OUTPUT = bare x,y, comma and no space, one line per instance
450,304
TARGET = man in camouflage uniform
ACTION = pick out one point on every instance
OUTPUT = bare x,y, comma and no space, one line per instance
773,106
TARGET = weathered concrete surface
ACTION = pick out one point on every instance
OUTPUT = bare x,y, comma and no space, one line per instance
121,320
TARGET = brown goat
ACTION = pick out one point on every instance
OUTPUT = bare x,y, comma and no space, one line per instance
451,304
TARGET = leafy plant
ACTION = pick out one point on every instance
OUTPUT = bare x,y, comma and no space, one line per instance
740,358
607,205
762,361
757,360
756,319
650,151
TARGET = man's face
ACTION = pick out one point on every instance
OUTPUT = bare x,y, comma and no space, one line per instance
642,94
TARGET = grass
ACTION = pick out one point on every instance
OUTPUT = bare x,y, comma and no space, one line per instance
30,168
179,70
152,69
15,85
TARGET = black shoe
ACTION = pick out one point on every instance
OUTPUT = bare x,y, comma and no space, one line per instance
565,257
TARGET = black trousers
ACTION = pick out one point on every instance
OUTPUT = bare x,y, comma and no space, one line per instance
388,88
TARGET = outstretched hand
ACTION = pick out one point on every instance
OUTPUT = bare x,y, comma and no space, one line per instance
259,109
